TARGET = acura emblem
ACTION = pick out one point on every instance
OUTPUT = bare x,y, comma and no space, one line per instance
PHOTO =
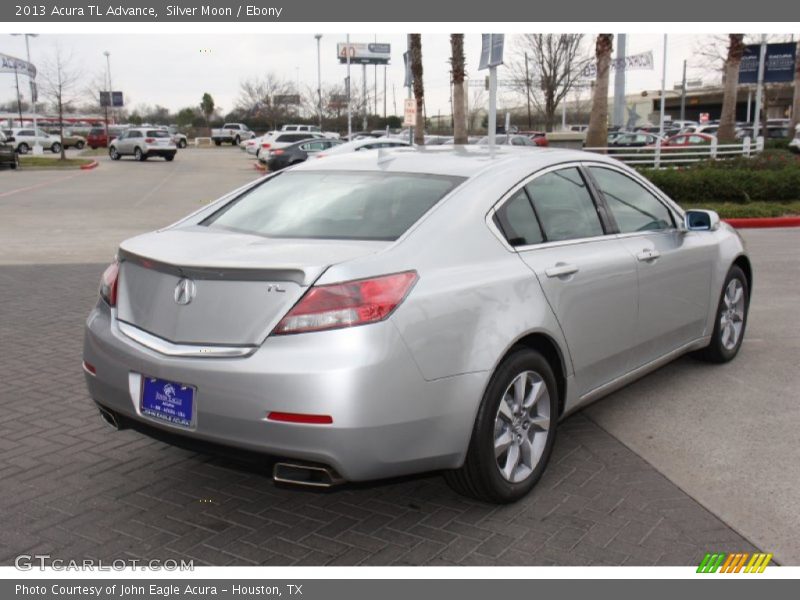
185,291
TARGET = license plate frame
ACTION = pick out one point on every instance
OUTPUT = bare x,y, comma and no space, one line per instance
169,402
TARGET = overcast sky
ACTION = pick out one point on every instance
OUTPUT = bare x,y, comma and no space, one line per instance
175,70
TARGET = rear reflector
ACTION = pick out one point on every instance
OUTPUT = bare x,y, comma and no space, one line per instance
347,304
300,418
89,368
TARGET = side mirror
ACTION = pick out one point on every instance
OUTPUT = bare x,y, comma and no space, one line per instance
701,220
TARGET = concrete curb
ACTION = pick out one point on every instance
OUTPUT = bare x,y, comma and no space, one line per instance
764,222
91,165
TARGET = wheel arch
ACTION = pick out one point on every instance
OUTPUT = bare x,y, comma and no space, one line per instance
549,348
743,262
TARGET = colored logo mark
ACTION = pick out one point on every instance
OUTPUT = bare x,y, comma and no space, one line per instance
734,562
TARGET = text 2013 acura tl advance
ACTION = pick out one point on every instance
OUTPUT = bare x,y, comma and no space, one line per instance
399,311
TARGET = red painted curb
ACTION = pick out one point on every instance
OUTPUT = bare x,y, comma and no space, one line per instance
764,222
259,167
91,165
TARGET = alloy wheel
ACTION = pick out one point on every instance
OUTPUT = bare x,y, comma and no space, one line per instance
521,426
731,319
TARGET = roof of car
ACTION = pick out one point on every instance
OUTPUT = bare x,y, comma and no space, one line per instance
458,161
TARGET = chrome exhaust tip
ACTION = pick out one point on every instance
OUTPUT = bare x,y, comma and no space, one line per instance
306,475
109,418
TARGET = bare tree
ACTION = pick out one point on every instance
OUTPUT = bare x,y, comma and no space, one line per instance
796,100
459,99
597,135
545,68
419,89
59,79
477,105
727,122
257,98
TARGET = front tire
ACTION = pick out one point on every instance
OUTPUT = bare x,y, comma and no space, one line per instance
55,148
112,152
182,144
514,431
23,148
236,140
730,319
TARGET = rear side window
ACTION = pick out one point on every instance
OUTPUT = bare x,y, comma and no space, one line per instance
564,206
334,205
634,208
158,133
517,221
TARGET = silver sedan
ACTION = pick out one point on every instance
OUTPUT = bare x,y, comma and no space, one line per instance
390,312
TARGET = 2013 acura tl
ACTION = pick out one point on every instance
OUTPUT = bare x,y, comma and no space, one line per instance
393,312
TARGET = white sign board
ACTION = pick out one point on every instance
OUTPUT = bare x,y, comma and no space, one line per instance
410,113
364,54
491,50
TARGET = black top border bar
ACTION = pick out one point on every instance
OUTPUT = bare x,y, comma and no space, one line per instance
451,11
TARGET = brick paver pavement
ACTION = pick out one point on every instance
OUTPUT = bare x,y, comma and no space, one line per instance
73,488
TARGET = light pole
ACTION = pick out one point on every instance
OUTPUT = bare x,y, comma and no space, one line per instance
107,54
318,37
37,149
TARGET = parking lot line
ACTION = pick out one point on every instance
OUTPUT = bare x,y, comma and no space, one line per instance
40,185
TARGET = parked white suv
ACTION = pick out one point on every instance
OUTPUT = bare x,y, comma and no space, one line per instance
142,143
26,138
311,129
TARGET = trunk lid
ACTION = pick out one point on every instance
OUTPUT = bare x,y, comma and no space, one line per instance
239,285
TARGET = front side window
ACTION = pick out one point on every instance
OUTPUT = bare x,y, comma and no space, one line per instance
564,205
353,205
634,208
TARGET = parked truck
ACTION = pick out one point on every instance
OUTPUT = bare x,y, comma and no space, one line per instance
231,133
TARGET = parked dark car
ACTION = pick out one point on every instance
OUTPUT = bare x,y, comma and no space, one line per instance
280,158
8,155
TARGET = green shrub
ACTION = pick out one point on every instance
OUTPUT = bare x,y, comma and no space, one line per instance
773,176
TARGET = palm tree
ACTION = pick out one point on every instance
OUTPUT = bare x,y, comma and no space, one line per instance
207,106
597,135
727,120
459,108
419,91
796,102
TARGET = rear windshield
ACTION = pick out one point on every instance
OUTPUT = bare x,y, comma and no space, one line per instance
334,205
157,133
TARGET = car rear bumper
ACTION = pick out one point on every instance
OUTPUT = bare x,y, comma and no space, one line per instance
387,420
161,151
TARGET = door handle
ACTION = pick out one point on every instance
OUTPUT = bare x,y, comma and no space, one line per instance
561,270
648,255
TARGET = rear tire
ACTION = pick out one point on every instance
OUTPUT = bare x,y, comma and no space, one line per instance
79,145
514,431
730,319
23,148
236,140
139,155
182,143
169,157
55,148
218,142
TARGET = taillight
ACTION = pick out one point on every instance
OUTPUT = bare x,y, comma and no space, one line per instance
347,304
108,283
265,145
149,140
275,152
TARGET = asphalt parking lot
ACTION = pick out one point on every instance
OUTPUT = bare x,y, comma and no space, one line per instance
689,460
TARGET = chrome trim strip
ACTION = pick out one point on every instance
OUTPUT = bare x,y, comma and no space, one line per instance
638,372
167,348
